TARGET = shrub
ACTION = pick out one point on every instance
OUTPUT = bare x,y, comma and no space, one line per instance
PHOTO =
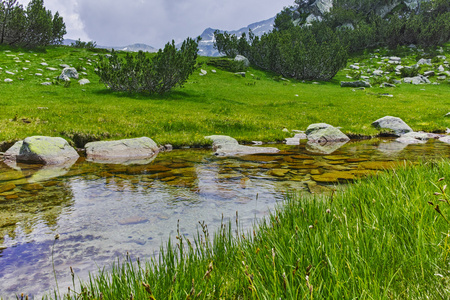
140,73
227,64
85,45
409,72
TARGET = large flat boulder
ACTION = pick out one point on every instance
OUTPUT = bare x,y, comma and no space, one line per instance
227,146
41,150
122,151
397,125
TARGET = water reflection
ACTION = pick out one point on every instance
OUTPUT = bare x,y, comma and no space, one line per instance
102,210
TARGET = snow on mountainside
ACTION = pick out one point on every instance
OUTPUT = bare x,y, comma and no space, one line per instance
206,45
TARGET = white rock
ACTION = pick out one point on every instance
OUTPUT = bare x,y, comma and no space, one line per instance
203,71
378,73
9,73
8,80
38,74
84,81
44,64
46,83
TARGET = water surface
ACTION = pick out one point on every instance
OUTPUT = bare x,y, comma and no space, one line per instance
103,211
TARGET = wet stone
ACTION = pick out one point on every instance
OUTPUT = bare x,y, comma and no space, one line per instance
168,178
334,177
12,175
378,165
301,157
278,172
300,167
32,187
11,197
7,187
350,160
336,157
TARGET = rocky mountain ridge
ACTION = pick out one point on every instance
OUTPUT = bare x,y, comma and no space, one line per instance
314,10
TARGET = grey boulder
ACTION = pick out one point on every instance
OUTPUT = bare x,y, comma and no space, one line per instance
325,133
68,73
42,150
397,125
243,59
227,146
128,151
420,79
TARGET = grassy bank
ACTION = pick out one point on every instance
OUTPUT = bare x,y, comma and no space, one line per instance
256,107
381,238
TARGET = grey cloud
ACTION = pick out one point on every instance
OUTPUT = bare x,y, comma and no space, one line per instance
118,22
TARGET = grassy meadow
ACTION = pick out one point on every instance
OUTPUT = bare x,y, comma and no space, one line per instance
256,107
386,237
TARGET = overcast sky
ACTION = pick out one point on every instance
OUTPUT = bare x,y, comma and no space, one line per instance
155,22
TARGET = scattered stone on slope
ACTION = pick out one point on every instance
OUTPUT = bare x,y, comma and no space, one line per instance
84,81
420,79
397,125
424,61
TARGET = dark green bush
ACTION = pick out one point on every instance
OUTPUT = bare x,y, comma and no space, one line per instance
227,64
409,72
84,45
140,73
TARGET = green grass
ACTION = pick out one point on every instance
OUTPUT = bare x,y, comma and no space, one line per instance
378,239
252,108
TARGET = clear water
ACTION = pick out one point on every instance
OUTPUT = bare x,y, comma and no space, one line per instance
103,211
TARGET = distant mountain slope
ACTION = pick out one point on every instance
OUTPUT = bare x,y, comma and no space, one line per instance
130,48
206,45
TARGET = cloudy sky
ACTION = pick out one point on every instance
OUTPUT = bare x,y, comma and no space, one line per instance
155,22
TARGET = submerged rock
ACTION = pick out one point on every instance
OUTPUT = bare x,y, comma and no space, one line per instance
397,125
139,150
417,137
227,146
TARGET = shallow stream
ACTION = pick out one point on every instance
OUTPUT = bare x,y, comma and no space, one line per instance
103,211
